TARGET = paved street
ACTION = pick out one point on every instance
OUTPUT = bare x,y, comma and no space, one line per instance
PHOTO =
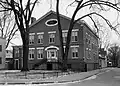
46,81
109,78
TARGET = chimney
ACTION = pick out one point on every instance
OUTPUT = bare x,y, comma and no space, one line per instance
33,19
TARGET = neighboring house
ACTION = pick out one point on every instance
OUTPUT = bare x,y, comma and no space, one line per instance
119,59
102,58
17,56
2,53
44,42
8,58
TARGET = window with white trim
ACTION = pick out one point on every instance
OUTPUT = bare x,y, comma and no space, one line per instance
31,39
40,38
74,52
40,53
74,36
51,38
17,52
64,35
52,53
31,54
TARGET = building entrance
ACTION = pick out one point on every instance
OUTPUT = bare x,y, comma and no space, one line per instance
49,66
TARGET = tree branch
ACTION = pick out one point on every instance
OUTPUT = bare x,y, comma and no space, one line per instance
94,13
94,23
100,2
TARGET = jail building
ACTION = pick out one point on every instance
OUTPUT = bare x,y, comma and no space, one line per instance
44,43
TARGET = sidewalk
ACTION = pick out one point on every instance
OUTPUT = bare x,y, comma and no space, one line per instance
60,79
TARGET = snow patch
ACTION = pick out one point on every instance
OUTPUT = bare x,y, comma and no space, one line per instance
92,77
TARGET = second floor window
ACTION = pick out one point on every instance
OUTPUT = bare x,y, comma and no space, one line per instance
51,38
31,54
74,36
74,52
39,53
64,34
31,39
40,39
17,52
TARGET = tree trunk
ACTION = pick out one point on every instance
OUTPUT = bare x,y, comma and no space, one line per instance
67,45
61,38
25,52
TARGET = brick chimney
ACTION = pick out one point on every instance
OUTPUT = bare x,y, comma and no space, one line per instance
33,19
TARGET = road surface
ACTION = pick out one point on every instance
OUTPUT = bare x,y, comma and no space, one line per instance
109,78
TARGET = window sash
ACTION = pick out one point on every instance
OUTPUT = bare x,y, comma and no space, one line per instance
40,39
74,36
74,52
31,39
51,38
40,53
31,54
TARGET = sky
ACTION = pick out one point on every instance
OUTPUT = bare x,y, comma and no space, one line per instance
44,6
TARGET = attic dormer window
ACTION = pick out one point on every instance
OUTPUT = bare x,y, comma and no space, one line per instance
51,22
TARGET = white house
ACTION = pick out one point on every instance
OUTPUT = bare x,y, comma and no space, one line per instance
8,59
2,53
9,54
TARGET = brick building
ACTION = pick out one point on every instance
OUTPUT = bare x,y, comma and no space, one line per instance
44,43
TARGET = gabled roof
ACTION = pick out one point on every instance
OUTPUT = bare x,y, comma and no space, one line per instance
48,13
53,12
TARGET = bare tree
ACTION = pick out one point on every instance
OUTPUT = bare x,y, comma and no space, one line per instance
7,27
113,54
22,10
103,34
81,4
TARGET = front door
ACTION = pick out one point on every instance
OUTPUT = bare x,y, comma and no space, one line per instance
49,66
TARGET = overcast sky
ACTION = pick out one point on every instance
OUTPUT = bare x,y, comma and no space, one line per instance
44,7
